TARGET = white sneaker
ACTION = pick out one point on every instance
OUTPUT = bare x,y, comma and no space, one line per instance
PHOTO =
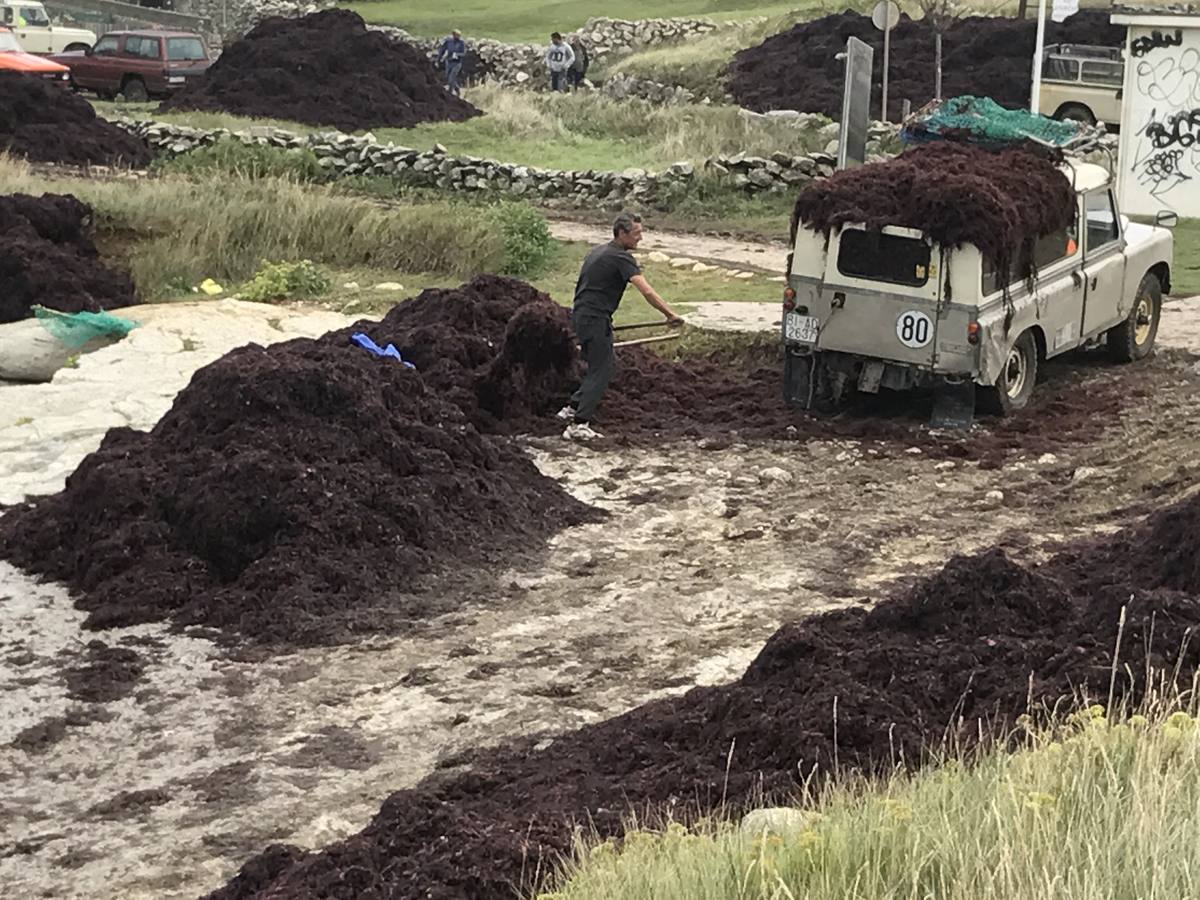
581,431
566,414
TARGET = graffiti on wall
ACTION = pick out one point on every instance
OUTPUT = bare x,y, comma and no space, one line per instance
1167,80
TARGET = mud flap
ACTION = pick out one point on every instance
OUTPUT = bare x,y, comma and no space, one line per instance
798,380
953,405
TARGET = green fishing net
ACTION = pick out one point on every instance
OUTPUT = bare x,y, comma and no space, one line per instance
77,329
981,120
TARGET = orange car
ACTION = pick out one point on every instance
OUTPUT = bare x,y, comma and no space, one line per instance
14,59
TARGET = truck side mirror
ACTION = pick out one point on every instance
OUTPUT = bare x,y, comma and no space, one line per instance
1166,219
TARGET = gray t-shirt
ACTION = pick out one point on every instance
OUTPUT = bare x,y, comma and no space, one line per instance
602,279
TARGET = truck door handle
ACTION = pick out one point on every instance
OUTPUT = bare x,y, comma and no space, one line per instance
1077,277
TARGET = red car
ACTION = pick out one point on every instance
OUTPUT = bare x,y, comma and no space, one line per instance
138,64
14,59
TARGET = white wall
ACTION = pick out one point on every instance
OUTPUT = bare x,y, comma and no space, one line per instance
1160,117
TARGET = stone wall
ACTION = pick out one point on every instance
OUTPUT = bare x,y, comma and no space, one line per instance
353,155
623,87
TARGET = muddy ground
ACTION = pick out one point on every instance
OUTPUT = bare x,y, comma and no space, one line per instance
162,787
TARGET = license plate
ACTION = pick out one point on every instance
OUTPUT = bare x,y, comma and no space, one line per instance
801,328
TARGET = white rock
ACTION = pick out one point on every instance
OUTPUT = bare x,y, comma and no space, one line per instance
781,820
1083,473
945,465
775,474
994,497
1047,459
389,286
744,276
351,285
913,451
703,267
682,262
658,256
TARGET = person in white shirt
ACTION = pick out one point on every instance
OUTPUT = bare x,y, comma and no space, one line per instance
559,58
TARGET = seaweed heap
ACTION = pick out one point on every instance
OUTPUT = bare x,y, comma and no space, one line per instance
983,55
973,643
1001,202
324,69
47,259
44,123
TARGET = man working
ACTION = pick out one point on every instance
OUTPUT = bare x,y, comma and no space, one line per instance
559,57
452,51
602,279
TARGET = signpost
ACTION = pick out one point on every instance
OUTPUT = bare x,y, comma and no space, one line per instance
856,103
885,17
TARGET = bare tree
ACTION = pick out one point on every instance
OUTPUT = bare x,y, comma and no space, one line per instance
940,14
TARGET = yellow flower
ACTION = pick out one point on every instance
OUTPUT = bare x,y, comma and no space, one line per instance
1138,721
1180,720
898,810
809,840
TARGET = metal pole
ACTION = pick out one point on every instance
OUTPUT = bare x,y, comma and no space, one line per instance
1039,49
937,79
887,49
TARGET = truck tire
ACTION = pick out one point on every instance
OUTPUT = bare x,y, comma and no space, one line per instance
134,90
1075,112
71,48
1134,338
1014,387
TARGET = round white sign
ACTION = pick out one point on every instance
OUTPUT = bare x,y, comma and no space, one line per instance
914,329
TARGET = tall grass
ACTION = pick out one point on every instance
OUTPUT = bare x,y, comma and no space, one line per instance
1086,809
180,231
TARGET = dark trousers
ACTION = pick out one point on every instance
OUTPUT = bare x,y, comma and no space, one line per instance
558,81
596,346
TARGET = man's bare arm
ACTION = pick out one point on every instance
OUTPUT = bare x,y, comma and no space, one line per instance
652,297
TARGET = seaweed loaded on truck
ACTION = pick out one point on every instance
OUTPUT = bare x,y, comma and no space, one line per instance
962,268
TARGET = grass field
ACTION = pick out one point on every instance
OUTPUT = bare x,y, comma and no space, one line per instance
1087,810
520,20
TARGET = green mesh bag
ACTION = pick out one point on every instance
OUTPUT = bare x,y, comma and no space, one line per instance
981,120
77,329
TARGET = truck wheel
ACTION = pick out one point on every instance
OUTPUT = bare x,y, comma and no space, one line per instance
135,91
71,48
1075,112
1014,387
1134,338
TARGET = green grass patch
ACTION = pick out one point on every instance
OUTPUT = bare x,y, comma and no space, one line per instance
577,131
1085,809
521,21
1185,274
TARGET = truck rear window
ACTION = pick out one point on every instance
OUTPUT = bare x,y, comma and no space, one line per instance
184,48
883,257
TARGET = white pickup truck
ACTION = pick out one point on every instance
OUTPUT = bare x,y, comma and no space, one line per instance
889,308
31,23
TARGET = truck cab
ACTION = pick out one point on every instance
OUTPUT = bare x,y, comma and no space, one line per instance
888,308
138,64
31,23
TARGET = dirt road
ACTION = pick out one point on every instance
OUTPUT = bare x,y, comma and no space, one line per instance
210,755
728,252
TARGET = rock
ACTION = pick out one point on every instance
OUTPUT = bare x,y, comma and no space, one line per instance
351,285
744,276
682,262
1047,459
945,465
831,149
389,286
774,474
782,821
1084,473
658,256
994,498
761,178
703,267
439,150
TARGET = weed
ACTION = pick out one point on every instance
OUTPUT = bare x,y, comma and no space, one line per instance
527,242
286,280
24,420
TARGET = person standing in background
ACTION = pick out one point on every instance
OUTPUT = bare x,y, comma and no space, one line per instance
578,70
559,59
451,54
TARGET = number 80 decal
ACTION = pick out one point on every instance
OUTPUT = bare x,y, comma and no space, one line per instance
914,329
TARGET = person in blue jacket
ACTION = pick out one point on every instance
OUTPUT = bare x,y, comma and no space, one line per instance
451,54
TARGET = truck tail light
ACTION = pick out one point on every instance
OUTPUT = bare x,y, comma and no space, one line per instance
973,333
789,299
